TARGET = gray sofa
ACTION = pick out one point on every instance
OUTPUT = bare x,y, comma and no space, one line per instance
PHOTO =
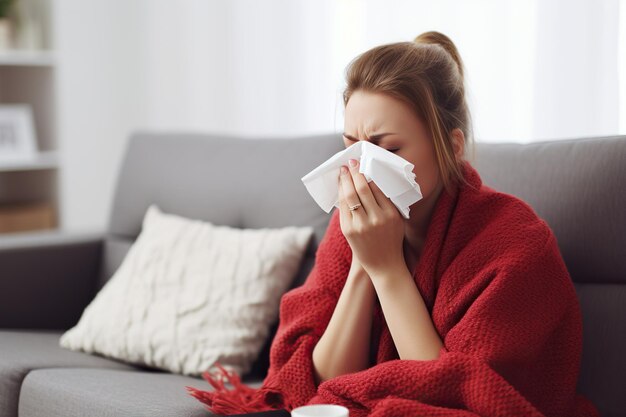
46,279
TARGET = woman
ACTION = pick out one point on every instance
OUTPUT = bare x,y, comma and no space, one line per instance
464,309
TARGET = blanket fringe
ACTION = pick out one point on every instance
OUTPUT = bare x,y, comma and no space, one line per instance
241,400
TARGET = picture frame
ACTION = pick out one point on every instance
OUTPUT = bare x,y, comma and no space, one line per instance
17,133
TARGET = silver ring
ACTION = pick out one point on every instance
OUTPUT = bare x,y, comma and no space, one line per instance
352,208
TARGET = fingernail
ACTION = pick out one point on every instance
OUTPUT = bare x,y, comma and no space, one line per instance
344,170
352,162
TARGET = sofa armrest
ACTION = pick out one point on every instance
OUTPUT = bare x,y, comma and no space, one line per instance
47,278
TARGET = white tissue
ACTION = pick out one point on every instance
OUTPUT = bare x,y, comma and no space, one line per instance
391,173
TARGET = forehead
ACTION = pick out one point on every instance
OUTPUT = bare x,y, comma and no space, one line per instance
369,112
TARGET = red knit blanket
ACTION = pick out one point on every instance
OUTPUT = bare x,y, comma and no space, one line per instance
499,295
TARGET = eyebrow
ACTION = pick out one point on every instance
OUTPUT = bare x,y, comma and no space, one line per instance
374,138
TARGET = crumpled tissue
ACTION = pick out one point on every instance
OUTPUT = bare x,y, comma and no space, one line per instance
391,173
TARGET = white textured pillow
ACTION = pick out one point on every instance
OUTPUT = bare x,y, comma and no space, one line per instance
190,293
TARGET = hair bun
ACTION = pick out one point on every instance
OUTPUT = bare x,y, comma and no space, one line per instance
438,38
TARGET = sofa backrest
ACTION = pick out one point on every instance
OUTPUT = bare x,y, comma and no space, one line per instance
579,187
232,181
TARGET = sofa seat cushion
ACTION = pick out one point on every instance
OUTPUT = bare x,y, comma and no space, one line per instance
108,392
24,350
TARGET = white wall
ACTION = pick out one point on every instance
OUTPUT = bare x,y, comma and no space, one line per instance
101,97
246,67
534,70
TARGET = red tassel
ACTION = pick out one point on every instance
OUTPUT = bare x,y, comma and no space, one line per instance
241,400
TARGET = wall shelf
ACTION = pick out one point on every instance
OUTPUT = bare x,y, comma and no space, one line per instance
29,191
27,58
43,160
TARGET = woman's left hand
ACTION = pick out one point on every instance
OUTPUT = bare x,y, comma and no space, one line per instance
375,231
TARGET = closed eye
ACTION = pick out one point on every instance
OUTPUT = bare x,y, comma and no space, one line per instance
390,150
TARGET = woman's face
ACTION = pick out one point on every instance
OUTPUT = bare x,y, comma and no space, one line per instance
368,115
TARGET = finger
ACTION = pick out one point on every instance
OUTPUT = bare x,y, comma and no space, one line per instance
349,192
344,211
382,200
386,203
362,188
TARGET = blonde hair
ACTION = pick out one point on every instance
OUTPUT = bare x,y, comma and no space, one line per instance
427,74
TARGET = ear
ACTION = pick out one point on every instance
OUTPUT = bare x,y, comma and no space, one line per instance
458,143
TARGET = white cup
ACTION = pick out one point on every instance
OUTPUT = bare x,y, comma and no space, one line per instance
320,410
